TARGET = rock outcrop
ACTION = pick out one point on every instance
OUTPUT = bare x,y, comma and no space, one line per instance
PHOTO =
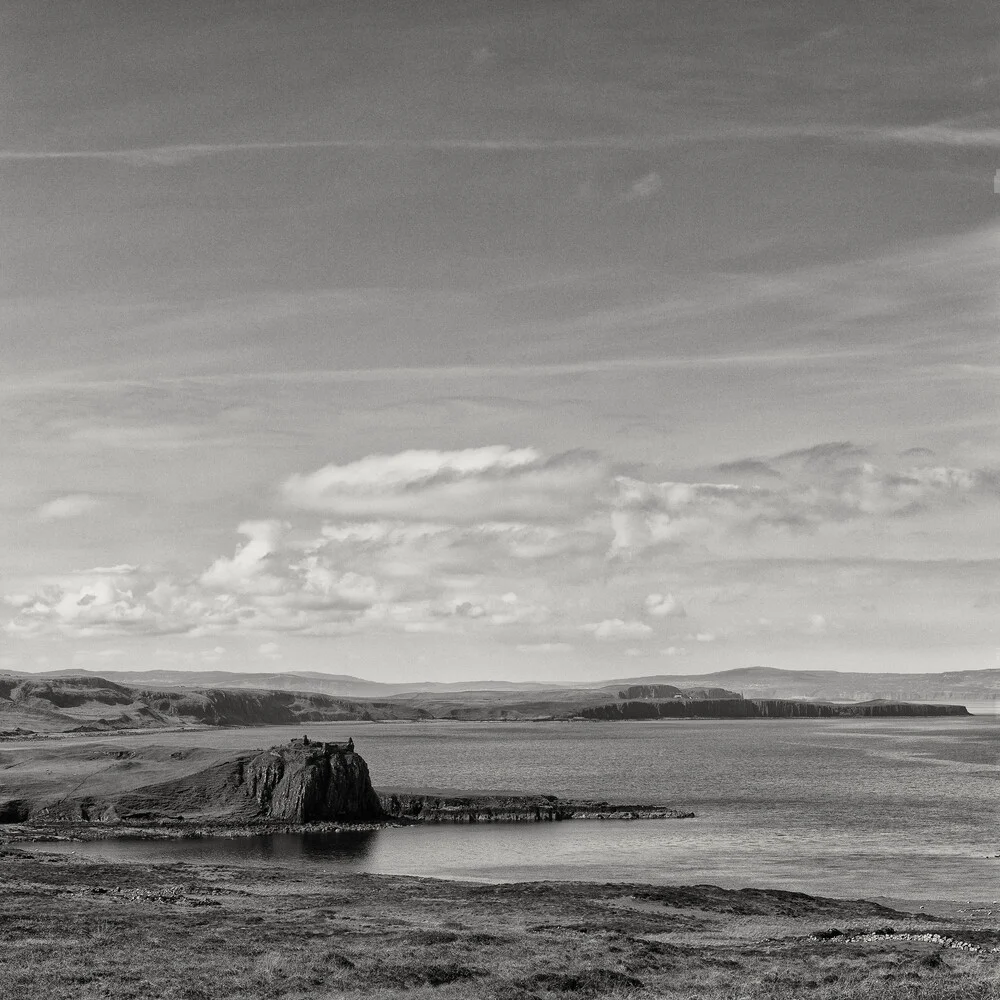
410,807
298,782
764,708
311,782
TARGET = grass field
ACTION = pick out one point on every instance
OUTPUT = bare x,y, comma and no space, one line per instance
78,929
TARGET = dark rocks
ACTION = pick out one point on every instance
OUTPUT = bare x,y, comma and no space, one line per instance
311,782
14,811
764,708
418,808
296,783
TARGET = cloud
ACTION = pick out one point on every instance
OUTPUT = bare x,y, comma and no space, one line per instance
544,647
644,187
249,568
472,485
945,133
663,606
747,467
533,549
616,628
269,650
817,624
828,453
66,507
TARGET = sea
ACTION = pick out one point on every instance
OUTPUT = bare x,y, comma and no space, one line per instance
899,809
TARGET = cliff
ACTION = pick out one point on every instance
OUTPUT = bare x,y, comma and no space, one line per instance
311,782
299,782
657,692
764,708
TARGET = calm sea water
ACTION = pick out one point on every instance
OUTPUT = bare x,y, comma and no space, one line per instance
906,809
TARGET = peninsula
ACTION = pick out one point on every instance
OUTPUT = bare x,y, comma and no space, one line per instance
299,785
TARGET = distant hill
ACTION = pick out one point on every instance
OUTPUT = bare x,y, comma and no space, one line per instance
87,702
957,686
336,685
752,682
94,704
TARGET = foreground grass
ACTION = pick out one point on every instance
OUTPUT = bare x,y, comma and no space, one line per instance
76,929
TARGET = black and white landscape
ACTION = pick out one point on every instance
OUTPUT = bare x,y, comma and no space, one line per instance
499,498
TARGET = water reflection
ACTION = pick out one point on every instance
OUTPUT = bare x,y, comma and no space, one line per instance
667,852
352,848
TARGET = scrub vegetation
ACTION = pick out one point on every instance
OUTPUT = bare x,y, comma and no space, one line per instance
73,928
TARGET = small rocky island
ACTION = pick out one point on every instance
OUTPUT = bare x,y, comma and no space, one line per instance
284,788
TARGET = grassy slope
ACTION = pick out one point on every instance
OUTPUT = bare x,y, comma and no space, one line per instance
87,929
50,771
83,703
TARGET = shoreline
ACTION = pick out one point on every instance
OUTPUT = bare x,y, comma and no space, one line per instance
982,710
465,811
77,925
925,908
919,908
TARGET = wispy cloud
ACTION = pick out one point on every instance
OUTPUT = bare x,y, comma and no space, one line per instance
644,187
66,507
931,134
25,387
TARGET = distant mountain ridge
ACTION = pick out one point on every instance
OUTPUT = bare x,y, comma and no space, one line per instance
95,704
338,685
756,682
87,702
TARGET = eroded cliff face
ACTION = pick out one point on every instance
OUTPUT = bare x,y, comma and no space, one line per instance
310,782
298,782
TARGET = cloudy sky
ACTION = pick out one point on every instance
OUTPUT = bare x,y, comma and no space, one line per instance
521,339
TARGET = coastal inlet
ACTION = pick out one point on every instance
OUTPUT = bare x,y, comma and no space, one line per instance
302,783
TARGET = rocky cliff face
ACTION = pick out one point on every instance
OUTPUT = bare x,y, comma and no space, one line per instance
761,708
298,782
309,782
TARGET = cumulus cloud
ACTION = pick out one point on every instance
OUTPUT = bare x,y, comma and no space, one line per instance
69,506
249,567
534,548
663,606
269,650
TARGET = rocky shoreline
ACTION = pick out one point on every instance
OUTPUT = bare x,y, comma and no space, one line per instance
401,810
427,808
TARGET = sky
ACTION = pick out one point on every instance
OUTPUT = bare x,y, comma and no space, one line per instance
539,340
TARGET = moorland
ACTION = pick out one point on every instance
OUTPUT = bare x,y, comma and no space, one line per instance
74,928
82,703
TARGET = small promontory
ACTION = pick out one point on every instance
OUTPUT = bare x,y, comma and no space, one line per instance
298,782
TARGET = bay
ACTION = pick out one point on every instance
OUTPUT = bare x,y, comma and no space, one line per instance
901,808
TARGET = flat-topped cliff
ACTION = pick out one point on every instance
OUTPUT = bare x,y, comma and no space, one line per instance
300,782
763,708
